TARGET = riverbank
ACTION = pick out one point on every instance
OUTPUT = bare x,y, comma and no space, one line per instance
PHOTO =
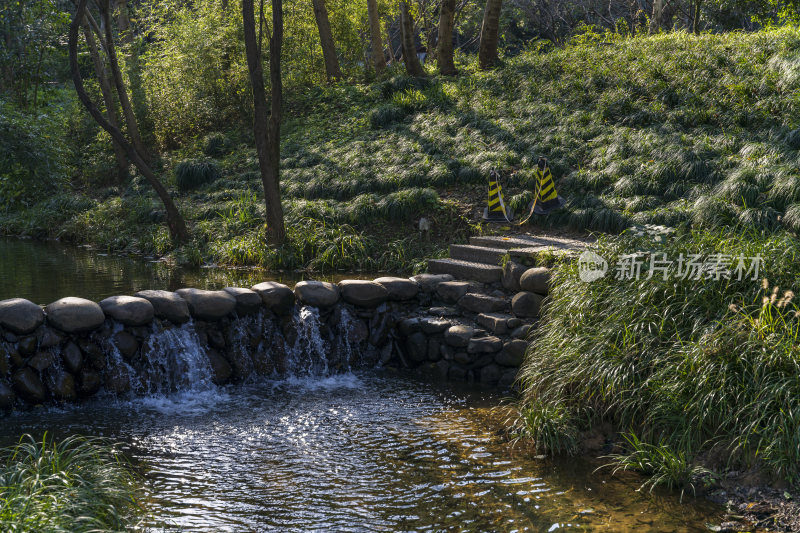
699,375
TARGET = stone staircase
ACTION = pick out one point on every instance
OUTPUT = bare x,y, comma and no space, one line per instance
480,259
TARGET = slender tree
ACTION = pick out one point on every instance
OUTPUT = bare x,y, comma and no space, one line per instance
266,123
108,100
413,67
378,61
177,227
658,14
444,55
326,39
490,33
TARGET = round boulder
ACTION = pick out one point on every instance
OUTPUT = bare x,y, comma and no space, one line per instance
90,382
276,296
72,357
208,305
526,304
399,288
317,293
363,293
513,353
535,280
220,368
247,301
75,315
27,384
167,305
62,386
130,310
459,336
20,316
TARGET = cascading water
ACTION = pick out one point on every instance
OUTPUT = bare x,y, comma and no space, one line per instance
175,361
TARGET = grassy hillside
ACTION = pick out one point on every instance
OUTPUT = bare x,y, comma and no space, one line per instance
672,129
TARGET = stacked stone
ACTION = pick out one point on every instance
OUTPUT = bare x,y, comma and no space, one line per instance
474,331
451,329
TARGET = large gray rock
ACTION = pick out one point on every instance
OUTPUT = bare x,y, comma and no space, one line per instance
431,326
167,305
317,293
126,344
20,316
130,310
221,369
75,315
48,337
89,382
429,282
247,301
62,386
485,345
42,361
28,386
459,336
481,303
399,288
7,396
208,305
452,291
363,293
535,280
526,304
72,357
513,353
276,296
512,272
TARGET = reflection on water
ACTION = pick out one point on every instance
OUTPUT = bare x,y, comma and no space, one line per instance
46,271
363,452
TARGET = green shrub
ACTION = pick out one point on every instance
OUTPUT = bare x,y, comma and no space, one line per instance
192,173
216,145
77,484
386,115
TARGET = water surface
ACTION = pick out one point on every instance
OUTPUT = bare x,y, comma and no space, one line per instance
368,451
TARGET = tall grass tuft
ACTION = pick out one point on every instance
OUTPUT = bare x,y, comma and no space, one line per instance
76,484
192,173
693,366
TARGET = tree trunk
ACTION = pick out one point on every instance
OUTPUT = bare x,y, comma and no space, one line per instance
444,54
378,61
413,68
177,227
122,91
123,21
658,13
696,17
326,39
490,32
266,124
108,99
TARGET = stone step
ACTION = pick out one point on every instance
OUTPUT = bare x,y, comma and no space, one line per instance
466,270
530,243
477,254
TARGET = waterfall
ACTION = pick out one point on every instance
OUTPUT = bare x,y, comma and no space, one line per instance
175,361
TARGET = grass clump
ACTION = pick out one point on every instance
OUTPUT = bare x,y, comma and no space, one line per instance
216,145
191,174
706,367
76,484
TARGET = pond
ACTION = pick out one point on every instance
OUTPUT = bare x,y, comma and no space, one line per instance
367,450
46,271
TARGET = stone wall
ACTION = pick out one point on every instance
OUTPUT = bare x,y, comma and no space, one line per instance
159,341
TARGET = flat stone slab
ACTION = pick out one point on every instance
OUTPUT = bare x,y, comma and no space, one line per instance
75,315
477,254
429,282
484,345
20,316
167,305
431,326
399,288
130,310
497,323
466,270
317,293
533,243
208,305
481,303
247,301
276,296
363,293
